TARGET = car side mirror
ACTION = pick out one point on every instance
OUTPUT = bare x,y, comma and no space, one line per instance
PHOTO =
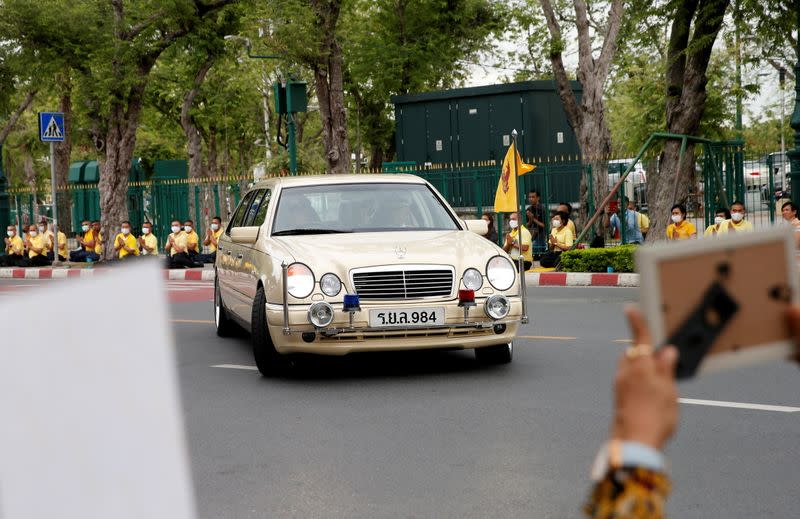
478,226
245,235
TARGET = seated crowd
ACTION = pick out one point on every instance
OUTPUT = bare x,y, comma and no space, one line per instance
36,246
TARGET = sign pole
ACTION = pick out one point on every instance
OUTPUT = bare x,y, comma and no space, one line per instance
55,203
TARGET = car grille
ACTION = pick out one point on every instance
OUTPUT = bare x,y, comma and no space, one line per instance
403,284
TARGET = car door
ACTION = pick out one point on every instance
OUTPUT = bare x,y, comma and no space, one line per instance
227,257
241,260
251,266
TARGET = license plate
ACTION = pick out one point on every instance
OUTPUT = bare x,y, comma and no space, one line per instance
409,317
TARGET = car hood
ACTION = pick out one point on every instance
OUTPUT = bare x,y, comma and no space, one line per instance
340,253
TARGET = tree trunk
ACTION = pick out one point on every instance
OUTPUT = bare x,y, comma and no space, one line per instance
687,62
63,152
9,125
193,138
30,179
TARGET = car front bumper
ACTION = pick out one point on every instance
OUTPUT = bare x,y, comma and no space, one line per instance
459,331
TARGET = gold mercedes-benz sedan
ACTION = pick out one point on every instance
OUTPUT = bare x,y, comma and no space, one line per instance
338,264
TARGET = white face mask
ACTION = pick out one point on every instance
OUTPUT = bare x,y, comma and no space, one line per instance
41,228
126,231
214,226
145,230
556,224
176,228
737,217
10,234
676,218
33,233
718,220
85,228
513,224
188,228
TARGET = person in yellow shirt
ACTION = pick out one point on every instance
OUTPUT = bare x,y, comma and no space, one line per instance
566,208
63,253
720,216
177,247
519,241
211,241
99,239
148,243
737,223
36,245
14,249
192,239
789,215
87,242
561,239
680,229
125,244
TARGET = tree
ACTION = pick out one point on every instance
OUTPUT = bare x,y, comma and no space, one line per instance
587,118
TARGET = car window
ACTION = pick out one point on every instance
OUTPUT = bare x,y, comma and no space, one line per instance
262,209
250,216
238,215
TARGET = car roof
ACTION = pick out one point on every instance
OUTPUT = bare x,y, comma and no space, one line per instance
315,180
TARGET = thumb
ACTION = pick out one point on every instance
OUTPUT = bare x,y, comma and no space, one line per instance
666,360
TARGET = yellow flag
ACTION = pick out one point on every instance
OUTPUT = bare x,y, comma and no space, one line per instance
505,199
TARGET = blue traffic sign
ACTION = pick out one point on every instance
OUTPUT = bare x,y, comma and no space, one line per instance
51,127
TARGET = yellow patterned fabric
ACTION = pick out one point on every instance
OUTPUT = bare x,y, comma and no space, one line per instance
629,493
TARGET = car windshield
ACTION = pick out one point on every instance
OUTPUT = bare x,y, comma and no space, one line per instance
373,207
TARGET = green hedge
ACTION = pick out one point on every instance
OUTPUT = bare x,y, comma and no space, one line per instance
598,260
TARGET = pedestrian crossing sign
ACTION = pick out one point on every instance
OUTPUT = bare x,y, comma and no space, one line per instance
51,127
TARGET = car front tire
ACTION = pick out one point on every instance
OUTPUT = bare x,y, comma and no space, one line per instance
500,354
268,360
225,325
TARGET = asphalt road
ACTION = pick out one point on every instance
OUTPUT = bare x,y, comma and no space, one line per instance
434,435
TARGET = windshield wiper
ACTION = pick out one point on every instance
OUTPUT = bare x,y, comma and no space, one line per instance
297,232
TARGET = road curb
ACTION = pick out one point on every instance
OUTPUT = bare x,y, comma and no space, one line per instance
57,273
580,279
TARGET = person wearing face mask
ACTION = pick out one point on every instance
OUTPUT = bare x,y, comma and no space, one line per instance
737,223
177,246
36,245
561,239
211,241
99,239
492,234
63,254
519,241
125,243
192,239
148,243
14,249
680,228
88,242
720,216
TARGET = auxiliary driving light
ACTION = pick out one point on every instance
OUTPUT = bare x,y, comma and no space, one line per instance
466,297
351,303
320,314
497,307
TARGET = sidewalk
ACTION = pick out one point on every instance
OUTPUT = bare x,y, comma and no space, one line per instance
552,279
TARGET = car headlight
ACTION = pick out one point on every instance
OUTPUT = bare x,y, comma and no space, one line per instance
500,272
330,284
472,279
320,314
497,307
300,281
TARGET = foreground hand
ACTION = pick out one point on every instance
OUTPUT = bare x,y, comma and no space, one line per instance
646,399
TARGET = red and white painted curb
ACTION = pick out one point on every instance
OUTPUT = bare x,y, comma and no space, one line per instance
580,279
542,279
57,273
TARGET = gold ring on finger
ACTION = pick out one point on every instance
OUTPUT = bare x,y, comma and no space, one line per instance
638,350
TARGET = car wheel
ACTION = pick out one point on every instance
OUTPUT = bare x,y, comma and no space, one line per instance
500,354
268,360
225,325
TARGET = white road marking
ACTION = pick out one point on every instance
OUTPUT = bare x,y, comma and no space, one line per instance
740,405
235,366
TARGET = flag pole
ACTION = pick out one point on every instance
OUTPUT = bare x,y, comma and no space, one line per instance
520,259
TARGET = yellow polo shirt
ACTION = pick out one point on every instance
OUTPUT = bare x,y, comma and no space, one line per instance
62,245
192,241
211,246
731,226
151,241
571,227
526,240
712,230
88,236
180,238
685,230
129,241
564,236
38,241
16,246
98,244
